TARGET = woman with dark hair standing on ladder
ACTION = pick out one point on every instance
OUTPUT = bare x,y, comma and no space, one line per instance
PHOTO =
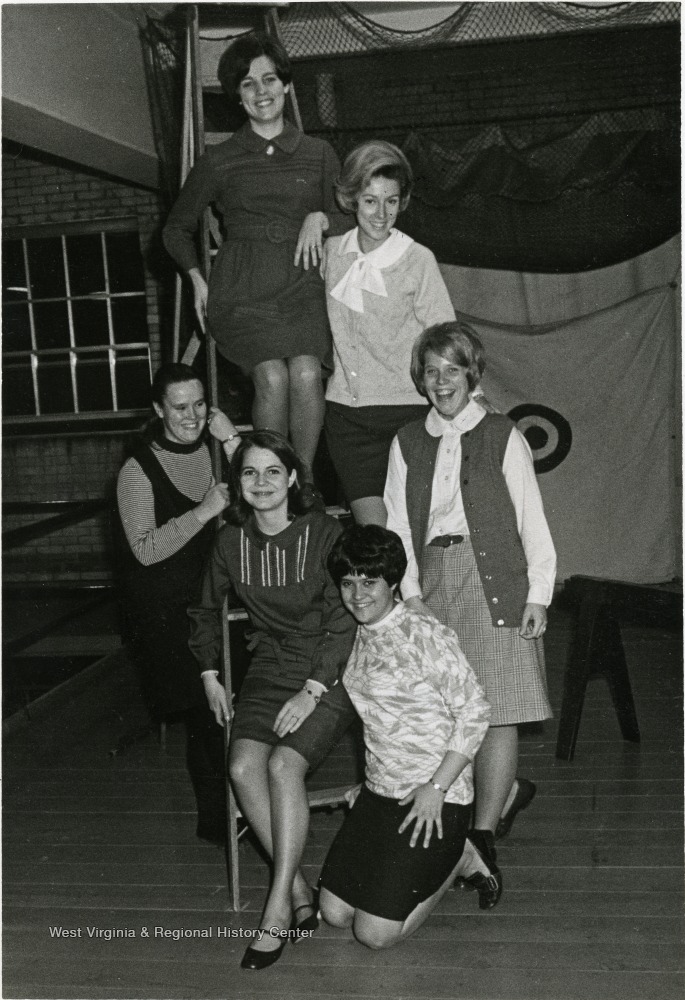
265,304
167,499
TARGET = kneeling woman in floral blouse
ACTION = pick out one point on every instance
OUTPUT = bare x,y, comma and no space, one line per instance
424,718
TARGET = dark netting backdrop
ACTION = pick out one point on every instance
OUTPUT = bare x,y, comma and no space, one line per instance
544,136
164,60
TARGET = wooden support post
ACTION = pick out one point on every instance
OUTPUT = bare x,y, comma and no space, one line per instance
232,813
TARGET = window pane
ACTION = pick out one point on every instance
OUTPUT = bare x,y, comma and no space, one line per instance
133,383
86,267
130,320
52,324
14,284
46,268
17,390
16,328
94,386
125,262
90,323
54,387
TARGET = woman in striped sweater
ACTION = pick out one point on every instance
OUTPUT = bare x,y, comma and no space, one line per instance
272,556
167,499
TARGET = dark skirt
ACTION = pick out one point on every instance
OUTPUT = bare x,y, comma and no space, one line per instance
262,697
359,440
372,868
261,307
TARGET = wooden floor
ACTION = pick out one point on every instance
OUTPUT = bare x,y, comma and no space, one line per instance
99,843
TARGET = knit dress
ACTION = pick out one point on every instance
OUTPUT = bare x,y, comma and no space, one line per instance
299,627
261,307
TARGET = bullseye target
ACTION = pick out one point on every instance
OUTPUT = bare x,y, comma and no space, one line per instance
546,431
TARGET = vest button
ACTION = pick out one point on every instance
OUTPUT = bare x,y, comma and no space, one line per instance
481,553
466,458
466,482
500,621
495,600
488,578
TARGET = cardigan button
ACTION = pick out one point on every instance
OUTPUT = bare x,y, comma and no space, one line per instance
500,621
495,600
466,482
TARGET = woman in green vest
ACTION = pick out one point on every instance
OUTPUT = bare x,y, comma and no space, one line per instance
461,493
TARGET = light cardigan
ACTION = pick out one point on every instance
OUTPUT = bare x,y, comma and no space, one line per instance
447,515
372,349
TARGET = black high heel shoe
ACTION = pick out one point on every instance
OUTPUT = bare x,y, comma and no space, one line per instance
525,793
309,924
253,959
489,887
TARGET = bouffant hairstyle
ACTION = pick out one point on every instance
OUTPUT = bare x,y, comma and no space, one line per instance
456,342
239,509
368,550
376,158
234,64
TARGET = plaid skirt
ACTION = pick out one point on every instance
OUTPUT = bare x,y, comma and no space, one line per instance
510,669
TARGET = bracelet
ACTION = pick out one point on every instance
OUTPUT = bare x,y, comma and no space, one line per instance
231,437
438,787
316,697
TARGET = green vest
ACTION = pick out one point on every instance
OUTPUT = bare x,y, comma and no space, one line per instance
489,511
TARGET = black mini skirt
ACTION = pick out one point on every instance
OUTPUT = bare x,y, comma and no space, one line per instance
371,866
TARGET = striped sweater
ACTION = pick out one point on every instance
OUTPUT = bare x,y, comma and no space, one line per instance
191,474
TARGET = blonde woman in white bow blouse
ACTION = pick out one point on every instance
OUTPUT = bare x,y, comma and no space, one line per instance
382,291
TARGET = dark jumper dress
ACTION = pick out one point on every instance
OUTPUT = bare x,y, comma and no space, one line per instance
155,599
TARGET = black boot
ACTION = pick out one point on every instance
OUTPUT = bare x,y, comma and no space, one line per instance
487,885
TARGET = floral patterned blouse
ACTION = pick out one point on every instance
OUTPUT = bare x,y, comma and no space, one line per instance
418,698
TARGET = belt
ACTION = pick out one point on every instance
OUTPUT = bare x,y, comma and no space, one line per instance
444,541
276,231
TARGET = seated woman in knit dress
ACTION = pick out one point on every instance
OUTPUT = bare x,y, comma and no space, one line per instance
272,556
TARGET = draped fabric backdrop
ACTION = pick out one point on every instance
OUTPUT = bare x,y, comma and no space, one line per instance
597,395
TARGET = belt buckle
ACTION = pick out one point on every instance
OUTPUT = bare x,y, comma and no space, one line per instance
276,231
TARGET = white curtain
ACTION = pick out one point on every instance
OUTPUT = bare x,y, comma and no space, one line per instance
598,351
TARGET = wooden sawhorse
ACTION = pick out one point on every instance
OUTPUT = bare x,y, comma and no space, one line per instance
597,649
324,798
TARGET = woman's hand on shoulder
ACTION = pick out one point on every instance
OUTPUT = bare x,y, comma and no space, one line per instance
426,812
293,713
222,428
215,500
216,698
310,241
416,604
533,622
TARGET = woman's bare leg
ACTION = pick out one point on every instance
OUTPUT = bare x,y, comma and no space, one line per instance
271,400
494,773
377,932
289,828
306,407
249,766
369,510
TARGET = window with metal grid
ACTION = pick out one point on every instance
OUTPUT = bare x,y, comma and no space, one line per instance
75,337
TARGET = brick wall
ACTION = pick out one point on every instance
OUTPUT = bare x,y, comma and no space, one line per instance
40,190
78,467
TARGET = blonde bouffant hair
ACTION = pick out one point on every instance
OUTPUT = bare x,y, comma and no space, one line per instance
376,158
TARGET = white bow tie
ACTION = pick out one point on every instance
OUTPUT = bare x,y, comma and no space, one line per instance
364,274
